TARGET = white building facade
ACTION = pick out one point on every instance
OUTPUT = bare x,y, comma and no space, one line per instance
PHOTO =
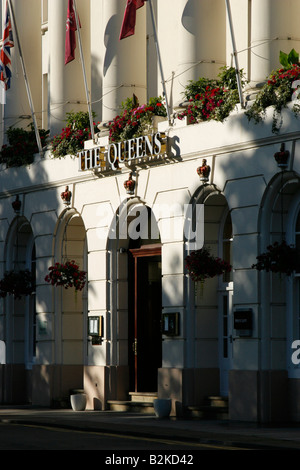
136,286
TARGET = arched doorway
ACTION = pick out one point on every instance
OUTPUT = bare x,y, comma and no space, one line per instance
71,305
212,306
20,314
135,275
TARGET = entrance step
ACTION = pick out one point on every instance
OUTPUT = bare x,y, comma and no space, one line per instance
213,407
138,403
143,396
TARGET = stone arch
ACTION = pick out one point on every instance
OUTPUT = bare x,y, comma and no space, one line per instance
275,292
204,319
70,307
20,313
120,241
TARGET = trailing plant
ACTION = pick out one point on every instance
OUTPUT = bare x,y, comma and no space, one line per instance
201,265
22,146
66,275
279,258
212,99
278,91
135,119
71,139
17,283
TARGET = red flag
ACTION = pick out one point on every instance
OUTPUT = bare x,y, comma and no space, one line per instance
5,57
70,44
128,25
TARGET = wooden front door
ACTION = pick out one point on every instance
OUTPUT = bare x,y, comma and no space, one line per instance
145,317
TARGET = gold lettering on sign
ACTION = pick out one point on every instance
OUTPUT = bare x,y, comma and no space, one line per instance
145,148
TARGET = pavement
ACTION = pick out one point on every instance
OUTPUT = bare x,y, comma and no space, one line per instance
238,435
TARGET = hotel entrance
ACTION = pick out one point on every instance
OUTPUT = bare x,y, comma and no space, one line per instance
145,304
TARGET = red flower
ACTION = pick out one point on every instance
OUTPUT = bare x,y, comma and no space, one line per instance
67,275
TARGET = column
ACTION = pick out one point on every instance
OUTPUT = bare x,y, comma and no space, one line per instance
273,28
57,28
124,62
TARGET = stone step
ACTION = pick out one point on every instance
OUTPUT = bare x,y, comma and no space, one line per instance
140,402
131,406
216,401
213,407
143,396
206,412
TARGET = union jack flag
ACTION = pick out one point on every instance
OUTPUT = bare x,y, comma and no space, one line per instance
5,58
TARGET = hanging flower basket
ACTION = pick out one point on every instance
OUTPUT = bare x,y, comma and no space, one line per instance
66,275
17,283
201,265
279,258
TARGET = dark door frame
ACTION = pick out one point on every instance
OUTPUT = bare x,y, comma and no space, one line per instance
142,252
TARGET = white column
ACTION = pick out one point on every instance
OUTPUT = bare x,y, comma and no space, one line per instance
124,62
194,43
273,28
57,27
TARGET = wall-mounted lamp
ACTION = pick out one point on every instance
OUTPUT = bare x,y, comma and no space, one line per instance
170,324
95,329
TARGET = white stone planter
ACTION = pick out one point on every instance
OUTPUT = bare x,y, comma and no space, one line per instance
162,407
78,401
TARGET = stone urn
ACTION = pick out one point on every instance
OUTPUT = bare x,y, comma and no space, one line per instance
129,185
66,195
162,407
203,171
16,205
78,401
282,157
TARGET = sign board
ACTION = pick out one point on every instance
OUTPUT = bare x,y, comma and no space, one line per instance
243,321
143,149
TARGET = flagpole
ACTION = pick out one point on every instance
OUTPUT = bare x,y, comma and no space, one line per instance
37,134
159,61
237,70
83,71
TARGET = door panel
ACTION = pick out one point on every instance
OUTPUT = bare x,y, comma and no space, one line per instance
225,339
144,321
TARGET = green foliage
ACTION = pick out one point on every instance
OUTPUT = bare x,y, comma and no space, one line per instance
277,92
288,60
135,120
71,139
212,99
21,146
